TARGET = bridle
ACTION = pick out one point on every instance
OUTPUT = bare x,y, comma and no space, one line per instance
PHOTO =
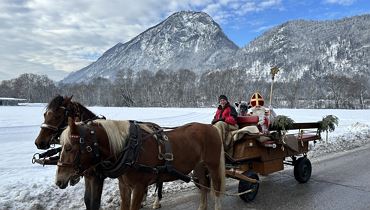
57,130
84,146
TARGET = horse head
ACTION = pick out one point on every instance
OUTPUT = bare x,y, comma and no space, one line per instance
55,119
81,151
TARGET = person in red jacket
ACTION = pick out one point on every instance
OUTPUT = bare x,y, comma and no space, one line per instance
225,121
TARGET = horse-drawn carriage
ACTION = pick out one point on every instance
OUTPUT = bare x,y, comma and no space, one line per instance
252,153
257,153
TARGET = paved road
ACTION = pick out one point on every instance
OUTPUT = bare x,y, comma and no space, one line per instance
341,181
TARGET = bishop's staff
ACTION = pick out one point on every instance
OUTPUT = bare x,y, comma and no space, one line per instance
274,71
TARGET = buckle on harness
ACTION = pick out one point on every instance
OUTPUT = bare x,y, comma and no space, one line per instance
88,149
165,156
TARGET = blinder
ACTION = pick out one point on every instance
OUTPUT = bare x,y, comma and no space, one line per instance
81,140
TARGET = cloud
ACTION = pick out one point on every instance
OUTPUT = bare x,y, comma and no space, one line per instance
226,10
340,2
263,28
56,35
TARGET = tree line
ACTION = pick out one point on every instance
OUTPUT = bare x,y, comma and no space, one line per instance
184,88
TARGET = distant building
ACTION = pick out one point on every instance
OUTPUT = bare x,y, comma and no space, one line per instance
11,101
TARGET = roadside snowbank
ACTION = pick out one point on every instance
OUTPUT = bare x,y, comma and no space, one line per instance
27,186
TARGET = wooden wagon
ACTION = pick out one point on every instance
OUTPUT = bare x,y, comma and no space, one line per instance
264,154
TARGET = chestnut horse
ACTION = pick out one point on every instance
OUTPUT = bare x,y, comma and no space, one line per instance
195,146
55,121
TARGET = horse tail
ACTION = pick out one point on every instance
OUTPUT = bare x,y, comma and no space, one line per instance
221,168
220,132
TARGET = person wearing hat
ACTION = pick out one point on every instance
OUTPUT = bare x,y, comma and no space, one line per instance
225,121
265,115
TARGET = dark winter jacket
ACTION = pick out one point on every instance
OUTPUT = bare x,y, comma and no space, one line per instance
227,114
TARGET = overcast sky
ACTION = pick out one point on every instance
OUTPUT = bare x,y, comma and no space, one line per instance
44,36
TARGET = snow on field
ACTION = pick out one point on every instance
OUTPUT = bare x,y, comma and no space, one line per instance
27,186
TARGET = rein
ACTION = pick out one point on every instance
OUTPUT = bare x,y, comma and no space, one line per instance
47,158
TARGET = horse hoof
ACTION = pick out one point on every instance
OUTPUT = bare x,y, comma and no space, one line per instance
157,206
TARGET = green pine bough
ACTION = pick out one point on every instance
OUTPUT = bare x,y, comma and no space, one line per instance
282,123
328,123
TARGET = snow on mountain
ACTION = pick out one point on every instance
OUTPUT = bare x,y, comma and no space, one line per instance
310,47
185,40
192,40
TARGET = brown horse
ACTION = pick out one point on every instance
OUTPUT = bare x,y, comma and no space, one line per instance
55,121
194,146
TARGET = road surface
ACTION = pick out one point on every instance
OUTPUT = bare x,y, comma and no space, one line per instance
339,181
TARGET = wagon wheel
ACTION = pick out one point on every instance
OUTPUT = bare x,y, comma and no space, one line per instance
302,170
245,185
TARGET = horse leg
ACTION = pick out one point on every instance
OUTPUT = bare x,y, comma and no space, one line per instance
200,172
137,196
217,175
93,191
125,192
156,204
143,203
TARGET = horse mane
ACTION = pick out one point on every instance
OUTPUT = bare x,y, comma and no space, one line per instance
117,132
85,110
55,103
58,100
65,136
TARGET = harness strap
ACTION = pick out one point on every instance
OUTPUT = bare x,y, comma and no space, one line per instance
82,146
168,157
95,147
128,156
50,152
167,168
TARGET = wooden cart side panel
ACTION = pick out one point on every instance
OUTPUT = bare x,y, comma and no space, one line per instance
267,167
252,149
247,148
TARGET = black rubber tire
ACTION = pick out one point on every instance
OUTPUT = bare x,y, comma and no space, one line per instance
245,185
302,170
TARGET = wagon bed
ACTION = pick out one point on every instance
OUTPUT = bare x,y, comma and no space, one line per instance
264,154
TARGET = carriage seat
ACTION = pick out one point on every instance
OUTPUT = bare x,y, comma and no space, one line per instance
247,120
246,130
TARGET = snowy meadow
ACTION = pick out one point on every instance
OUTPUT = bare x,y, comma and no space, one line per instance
27,186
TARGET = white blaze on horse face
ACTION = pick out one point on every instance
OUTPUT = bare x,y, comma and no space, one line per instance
65,173
52,117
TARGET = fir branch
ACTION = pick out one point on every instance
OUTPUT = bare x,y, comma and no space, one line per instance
282,123
328,123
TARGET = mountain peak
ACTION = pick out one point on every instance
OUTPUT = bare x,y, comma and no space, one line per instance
191,16
184,40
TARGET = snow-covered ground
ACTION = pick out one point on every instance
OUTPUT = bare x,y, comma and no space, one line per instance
27,186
